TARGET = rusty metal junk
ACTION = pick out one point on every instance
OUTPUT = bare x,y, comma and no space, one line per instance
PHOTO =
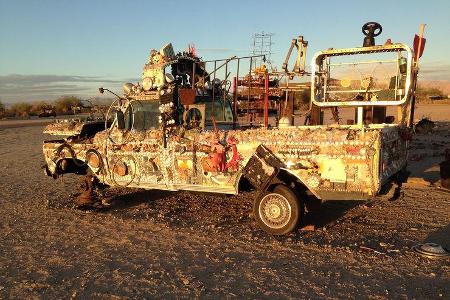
424,126
88,197
431,250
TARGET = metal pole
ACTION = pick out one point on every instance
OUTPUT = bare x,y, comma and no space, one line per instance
360,116
266,100
235,57
249,86
415,72
234,101
226,76
193,76
214,90
224,89
237,83
219,67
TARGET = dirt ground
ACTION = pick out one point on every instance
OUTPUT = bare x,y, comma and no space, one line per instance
157,244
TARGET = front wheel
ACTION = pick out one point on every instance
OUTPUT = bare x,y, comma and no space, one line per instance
278,212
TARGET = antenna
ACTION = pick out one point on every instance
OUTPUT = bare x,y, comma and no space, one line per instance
262,45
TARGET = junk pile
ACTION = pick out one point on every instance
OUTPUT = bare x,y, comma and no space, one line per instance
424,126
431,250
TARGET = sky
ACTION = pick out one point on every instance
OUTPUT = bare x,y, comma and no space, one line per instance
53,48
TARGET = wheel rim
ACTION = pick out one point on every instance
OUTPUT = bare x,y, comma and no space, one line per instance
275,211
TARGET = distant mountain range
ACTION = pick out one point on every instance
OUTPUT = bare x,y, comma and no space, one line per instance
443,85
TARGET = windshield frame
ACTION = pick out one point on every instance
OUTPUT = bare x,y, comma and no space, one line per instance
138,106
320,56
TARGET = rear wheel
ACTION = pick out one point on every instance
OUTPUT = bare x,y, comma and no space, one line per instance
278,212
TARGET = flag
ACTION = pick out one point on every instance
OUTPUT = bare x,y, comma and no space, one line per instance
416,45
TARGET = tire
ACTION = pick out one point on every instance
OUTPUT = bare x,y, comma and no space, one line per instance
278,212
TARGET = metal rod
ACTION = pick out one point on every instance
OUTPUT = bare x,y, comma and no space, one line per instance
360,116
236,57
364,62
237,82
266,100
224,90
325,85
235,79
193,76
351,91
225,63
214,90
288,55
249,86
416,71
286,99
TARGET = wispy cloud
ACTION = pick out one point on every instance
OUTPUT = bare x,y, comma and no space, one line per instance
45,79
14,90
435,71
221,50
19,87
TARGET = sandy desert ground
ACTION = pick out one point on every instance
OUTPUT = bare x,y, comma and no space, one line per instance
187,245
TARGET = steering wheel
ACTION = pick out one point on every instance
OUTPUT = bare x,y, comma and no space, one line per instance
370,28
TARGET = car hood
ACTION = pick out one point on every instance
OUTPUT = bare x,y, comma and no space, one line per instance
64,127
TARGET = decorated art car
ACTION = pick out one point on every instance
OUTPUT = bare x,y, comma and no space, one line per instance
177,130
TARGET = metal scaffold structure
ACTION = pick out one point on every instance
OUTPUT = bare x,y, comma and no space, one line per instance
266,90
262,45
255,93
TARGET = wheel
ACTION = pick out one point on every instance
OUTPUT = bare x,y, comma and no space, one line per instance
278,212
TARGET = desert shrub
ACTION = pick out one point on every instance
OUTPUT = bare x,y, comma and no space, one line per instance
64,104
21,109
422,94
2,109
38,107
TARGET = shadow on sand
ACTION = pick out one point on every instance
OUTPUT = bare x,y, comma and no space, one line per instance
427,151
129,200
440,236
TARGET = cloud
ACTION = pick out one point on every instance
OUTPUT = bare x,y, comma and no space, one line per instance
221,50
435,71
133,80
45,79
13,90
19,87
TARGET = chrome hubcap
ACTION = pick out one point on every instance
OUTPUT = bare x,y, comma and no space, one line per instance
275,210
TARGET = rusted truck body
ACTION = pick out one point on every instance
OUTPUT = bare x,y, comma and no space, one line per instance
161,136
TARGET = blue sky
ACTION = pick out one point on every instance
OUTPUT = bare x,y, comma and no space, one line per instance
52,48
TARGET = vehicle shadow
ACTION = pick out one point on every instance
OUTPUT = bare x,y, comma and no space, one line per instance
129,200
318,215
323,214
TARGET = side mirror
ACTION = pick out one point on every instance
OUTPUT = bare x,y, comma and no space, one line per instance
101,90
120,120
